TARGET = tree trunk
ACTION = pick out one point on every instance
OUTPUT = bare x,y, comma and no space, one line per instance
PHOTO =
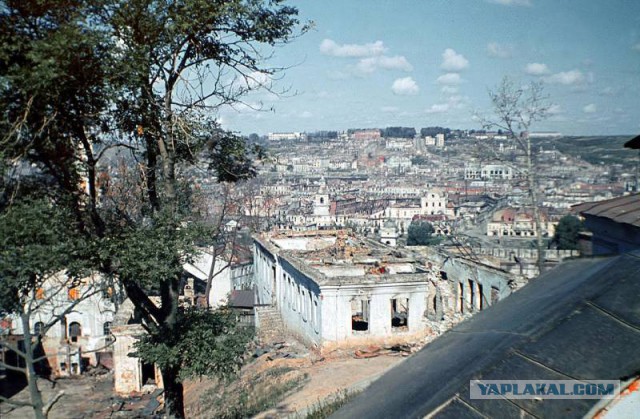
533,193
30,371
173,394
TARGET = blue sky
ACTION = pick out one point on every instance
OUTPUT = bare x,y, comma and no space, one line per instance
422,63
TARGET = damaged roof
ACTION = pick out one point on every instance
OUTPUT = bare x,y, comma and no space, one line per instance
579,321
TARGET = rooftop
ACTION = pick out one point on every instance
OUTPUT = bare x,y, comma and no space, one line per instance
625,209
333,257
579,321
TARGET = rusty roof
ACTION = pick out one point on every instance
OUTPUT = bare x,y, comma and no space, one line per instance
624,209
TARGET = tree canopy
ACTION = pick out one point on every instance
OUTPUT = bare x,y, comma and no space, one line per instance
420,233
82,78
567,232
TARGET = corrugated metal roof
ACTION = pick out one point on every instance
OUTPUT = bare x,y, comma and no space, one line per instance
625,209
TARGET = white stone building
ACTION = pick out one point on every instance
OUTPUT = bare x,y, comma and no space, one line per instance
332,288
86,309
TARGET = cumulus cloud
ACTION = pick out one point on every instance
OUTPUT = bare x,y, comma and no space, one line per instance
496,50
567,78
259,79
590,108
438,108
371,64
452,103
405,86
449,90
332,48
452,61
512,2
555,110
536,69
449,79
609,91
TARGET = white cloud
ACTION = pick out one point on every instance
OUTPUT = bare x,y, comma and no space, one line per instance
305,114
450,79
536,69
497,50
567,78
590,108
438,108
449,90
512,2
452,103
389,109
636,47
330,47
369,65
452,61
405,86
555,110
259,79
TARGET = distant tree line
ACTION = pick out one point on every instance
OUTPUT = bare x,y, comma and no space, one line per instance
398,132
322,135
432,131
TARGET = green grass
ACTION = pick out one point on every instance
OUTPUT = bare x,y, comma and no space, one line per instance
325,408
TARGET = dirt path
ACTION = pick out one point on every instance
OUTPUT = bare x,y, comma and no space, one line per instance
328,377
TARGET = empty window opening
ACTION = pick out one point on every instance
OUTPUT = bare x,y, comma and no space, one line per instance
472,294
38,329
106,328
148,374
480,297
360,315
400,313
75,331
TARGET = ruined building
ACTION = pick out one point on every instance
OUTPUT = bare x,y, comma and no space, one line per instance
332,287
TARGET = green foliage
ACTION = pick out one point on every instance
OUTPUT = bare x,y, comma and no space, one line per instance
420,233
324,409
80,76
203,343
250,395
36,241
567,232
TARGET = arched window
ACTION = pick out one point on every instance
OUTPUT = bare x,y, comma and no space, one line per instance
75,331
38,328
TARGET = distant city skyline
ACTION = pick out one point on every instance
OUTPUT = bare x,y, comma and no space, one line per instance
426,63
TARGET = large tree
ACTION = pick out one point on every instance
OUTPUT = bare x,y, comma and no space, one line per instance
37,268
516,109
79,77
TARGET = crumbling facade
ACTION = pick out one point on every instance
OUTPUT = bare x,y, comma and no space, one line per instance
81,335
333,288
